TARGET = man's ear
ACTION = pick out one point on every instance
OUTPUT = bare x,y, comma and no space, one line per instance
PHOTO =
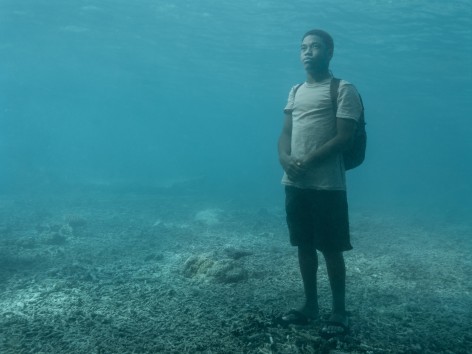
330,53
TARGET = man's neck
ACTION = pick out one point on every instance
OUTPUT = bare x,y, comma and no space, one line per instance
317,76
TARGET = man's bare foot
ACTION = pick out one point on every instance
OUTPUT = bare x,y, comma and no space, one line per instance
301,316
337,325
309,311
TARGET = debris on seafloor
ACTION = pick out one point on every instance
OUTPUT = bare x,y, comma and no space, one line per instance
76,221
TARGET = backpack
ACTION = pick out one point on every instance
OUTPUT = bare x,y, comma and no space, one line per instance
355,154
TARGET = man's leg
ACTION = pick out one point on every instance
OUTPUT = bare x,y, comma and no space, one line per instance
337,279
308,261
300,224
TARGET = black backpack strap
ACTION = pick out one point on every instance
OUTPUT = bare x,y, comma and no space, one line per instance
296,88
334,88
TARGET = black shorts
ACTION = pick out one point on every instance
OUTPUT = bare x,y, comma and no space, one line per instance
318,218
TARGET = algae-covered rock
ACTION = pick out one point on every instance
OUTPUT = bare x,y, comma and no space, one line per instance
197,266
209,217
203,267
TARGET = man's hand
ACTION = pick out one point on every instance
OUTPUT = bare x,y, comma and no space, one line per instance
293,167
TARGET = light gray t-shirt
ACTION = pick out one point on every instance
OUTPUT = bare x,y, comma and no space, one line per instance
313,124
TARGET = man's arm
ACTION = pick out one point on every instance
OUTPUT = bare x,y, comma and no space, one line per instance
292,167
341,141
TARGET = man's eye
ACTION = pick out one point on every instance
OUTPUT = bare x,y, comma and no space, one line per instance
312,46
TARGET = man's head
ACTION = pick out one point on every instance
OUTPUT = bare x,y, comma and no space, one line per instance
316,50
325,36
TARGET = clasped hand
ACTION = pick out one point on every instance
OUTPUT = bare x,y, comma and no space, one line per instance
294,168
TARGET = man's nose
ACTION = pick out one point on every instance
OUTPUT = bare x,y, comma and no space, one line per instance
308,50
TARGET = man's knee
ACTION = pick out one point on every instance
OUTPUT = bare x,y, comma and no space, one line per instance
334,260
307,255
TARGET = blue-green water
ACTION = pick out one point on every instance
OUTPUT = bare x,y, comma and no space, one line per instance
148,92
123,123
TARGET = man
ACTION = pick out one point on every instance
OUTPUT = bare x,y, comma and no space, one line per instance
310,149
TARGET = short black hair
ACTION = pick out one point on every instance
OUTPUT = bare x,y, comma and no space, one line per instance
325,36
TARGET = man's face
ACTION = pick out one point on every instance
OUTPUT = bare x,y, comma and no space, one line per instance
314,53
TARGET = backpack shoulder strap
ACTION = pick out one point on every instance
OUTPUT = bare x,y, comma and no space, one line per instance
334,88
296,88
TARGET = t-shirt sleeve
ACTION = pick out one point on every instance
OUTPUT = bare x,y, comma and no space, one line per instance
349,102
290,101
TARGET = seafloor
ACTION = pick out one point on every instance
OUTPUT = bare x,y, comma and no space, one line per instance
163,273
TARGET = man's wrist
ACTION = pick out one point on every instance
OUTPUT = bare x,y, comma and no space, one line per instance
283,157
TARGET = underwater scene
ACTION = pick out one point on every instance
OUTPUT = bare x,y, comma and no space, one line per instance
141,203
